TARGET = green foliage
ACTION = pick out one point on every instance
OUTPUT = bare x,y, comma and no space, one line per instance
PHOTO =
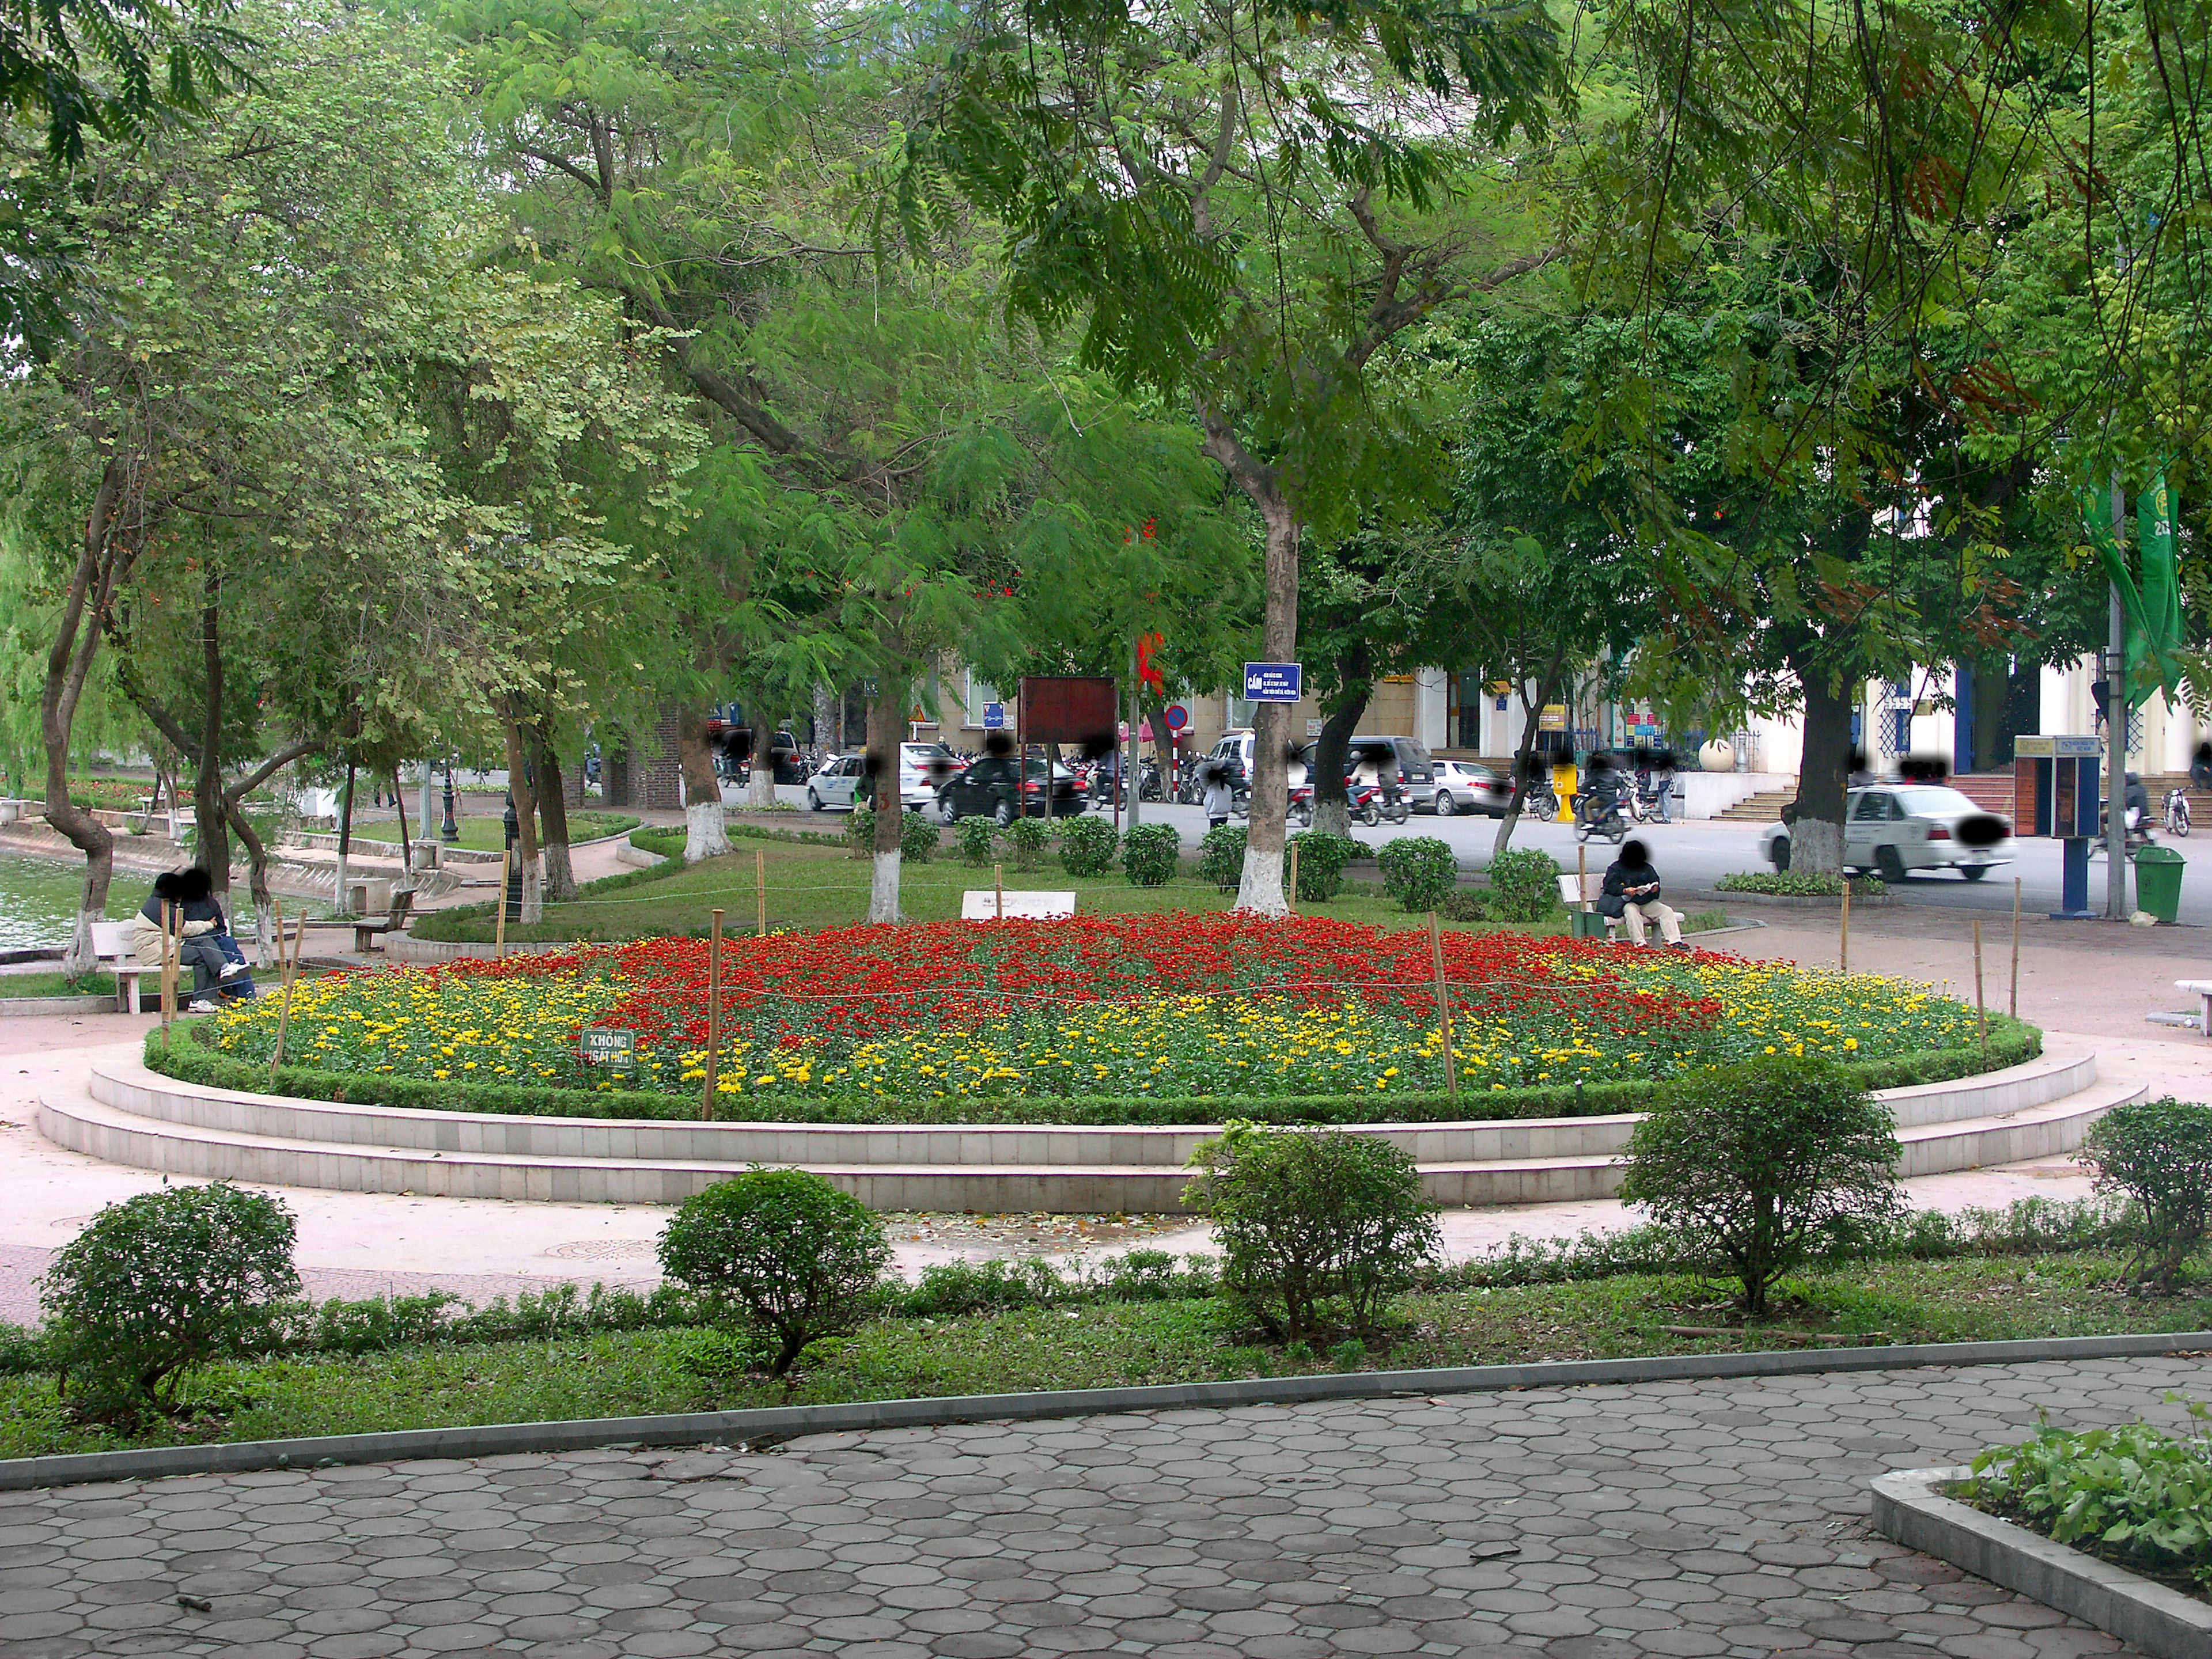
1027,840
950,1289
1796,884
976,839
1419,871
1524,885
1462,904
1765,1165
1322,861
1087,846
860,831
919,837
790,1253
2159,1152
1149,854
2134,1494
156,1286
668,843
1221,856
1311,1221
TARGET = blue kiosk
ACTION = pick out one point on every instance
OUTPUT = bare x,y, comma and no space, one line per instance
2056,792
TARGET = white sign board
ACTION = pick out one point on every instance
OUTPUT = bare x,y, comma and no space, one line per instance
982,904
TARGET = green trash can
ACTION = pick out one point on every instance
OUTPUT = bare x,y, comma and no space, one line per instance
1587,924
2158,882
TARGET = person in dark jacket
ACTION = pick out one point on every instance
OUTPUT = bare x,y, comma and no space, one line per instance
203,933
1633,881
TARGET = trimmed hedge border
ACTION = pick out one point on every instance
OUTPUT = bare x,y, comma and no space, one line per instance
2011,1042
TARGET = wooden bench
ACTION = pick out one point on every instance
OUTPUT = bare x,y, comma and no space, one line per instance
2202,990
367,929
111,943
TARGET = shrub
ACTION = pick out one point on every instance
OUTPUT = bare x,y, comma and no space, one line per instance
794,1256
1322,859
1461,904
2133,1494
976,839
1221,856
1026,841
1419,871
1310,1217
1524,885
1087,846
860,831
918,837
154,1287
1765,1166
2159,1152
1796,884
1149,854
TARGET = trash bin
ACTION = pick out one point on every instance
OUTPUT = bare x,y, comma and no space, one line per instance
2158,882
1587,924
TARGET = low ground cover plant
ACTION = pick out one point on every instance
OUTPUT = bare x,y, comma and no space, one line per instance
1796,884
2158,1153
2135,1495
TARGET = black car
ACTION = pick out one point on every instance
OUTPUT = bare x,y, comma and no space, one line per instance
987,790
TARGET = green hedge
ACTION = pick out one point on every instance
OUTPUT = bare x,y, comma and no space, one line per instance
1797,884
2010,1042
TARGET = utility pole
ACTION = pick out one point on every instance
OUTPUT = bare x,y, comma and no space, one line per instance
2116,728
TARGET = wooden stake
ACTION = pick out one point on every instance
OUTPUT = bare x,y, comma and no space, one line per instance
499,927
1981,1014
291,969
1844,951
2014,1006
1582,878
1294,898
714,1018
999,887
170,921
1443,1006
759,888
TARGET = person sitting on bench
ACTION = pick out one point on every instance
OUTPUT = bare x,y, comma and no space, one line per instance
1635,885
203,941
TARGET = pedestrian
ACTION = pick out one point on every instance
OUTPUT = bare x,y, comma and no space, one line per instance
1632,881
1219,798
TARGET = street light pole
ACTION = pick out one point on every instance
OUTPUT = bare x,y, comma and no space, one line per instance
449,832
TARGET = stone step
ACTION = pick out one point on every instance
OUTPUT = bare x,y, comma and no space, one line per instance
1765,807
73,1118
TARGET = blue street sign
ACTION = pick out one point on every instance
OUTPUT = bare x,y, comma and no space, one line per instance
994,717
1273,682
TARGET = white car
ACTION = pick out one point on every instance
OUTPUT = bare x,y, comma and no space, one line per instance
918,788
1894,828
843,784
835,788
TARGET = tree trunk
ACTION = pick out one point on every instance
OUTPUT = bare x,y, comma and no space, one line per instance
553,815
1332,803
827,706
1261,889
706,832
210,824
1816,840
406,847
886,727
519,787
1532,717
264,903
762,792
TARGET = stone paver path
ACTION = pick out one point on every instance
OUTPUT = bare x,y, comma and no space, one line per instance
1676,1519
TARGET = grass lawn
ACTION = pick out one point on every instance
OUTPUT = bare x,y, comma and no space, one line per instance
489,834
1109,1345
810,887
56,985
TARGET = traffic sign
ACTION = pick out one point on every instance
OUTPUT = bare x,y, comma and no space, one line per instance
994,717
1178,717
1273,682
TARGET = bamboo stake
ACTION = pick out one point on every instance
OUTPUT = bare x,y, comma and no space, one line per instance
2014,1006
499,927
291,969
760,889
1294,898
999,887
714,1018
1844,954
1981,1014
171,920
1443,1006
1582,878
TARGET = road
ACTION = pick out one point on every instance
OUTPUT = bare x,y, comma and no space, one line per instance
1697,854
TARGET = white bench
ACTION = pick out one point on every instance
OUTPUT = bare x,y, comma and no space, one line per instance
988,904
1579,892
2202,990
111,943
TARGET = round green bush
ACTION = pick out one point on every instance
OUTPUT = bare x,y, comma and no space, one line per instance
1322,861
792,1254
1026,841
918,837
2159,1152
1524,885
860,831
1221,856
1087,846
1149,854
976,838
1419,871
153,1288
1462,904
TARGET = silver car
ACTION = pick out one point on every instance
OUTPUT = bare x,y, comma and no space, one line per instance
1469,786
1895,827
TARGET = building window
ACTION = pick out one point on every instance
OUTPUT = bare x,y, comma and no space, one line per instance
979,693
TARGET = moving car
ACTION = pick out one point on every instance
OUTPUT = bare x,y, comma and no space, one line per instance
1894,828
1469,786
986,789
922,768
838,785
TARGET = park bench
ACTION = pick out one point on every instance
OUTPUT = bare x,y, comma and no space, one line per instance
2202,990
367,929
988,904
1578,893
111,943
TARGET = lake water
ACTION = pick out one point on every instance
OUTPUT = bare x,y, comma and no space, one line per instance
38,898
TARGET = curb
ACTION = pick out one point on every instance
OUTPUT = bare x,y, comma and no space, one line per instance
24,1007
784,1422
2161,1622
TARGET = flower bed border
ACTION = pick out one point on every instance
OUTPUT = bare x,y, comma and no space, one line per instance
2011,1042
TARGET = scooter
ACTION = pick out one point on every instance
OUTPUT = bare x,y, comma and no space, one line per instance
1598,815
1372,805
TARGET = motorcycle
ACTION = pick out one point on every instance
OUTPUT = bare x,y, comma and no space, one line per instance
1371,804
1598,815
1539,801
2135,834
2177,813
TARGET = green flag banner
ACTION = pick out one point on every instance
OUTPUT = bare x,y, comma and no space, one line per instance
2152,604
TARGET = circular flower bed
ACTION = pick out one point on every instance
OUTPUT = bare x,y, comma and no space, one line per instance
1208,1005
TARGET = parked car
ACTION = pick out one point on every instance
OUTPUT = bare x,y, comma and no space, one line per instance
837,786
1894,828
1468,787
921,770
986,789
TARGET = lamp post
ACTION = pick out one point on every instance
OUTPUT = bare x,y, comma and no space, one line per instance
449,832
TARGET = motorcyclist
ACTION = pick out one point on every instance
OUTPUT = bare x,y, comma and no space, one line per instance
2137,799
1601,790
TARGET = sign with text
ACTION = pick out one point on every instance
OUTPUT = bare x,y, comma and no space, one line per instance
608,1045
994,717
1273,682
988,904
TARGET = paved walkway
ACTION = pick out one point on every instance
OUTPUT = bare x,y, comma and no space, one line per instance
1674,1519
